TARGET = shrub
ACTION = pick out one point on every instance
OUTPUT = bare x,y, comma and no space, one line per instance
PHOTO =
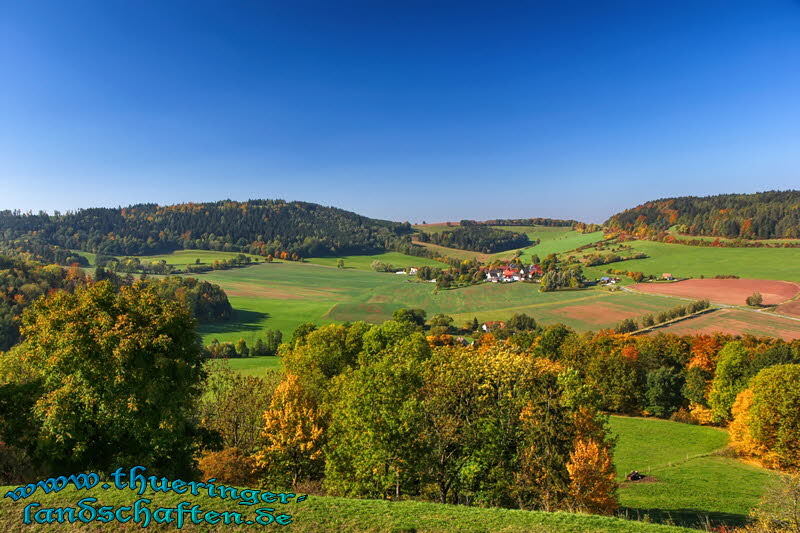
230,466
626,326
755,299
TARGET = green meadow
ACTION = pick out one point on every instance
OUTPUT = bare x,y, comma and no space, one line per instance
324,514
693,261
364,262
553,240
696,480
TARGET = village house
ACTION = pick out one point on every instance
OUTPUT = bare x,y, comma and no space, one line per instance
513,273
489,326
494,275
534,272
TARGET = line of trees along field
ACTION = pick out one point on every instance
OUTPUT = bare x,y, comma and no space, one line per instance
764,215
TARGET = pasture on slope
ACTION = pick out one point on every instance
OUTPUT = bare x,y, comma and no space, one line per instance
695,479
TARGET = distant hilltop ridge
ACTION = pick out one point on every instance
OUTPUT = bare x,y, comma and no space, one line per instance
762,215
254,226
303,229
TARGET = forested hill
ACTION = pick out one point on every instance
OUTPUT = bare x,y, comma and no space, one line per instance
256,226
477,238
764,215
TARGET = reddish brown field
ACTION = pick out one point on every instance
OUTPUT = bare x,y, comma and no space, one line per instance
791,308
726,291
597,314
737,322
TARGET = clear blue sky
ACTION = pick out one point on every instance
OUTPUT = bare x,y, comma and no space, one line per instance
401,110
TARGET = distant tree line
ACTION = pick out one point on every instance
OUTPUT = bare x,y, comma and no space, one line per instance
629,325
266,346
31,249
550,222
481,239
764,215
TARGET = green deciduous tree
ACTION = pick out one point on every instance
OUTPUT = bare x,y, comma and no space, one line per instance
733,372
120,373
663,391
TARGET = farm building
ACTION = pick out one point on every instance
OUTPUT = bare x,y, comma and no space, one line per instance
513,273
489,326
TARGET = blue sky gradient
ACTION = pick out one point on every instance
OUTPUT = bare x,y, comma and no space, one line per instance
400,110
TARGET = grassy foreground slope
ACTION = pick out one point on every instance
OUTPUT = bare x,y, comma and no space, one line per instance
327,514
695,481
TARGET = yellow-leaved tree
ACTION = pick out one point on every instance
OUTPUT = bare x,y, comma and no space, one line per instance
293,431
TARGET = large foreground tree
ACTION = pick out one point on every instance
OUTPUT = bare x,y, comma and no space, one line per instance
118,373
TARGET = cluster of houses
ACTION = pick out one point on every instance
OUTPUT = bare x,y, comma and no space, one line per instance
514,273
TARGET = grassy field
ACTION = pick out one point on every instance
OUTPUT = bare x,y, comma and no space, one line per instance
553,240
693,261
327,514
254,366
694,478
364,262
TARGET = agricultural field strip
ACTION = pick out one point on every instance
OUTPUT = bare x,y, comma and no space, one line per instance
767,311
543,304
